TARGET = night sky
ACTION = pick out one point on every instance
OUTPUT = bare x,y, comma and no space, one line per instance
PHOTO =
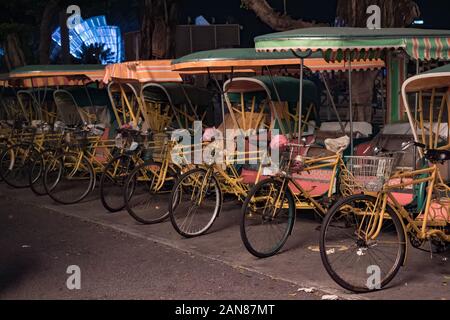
434,12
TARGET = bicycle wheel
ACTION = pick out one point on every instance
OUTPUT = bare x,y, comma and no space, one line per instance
15,163
353,256
36,173
69,178
267,219
147,192
195,203
3,147
113,180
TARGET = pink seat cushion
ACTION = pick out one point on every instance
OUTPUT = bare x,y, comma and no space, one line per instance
249,176
403,198
316,182
439,211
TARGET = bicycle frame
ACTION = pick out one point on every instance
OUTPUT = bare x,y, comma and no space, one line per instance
333,162
423,228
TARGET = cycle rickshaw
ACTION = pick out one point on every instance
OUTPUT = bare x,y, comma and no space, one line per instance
253,103
348,45
35,86
152,98
369,229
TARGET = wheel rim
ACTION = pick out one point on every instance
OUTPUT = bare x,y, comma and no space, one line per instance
198,200
267,220
113,181
68,180
353,256
15,166
148,193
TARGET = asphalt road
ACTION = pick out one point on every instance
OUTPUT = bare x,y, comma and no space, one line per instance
120,258
37,245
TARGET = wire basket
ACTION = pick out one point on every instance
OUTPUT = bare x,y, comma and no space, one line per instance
368,174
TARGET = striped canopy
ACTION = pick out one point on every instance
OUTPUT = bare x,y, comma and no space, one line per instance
250,61
55,75
142,71
362,43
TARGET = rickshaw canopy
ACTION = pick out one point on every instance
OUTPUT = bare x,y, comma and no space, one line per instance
87,96
179,94
433,119
284,88
142,72
436,78
247,60
334,43
36,76
44,94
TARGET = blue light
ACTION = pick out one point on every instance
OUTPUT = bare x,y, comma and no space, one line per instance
91,31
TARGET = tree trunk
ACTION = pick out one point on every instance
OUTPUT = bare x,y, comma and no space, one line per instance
158,28
45,31
394,13
14,56
147,28
277,21
65,40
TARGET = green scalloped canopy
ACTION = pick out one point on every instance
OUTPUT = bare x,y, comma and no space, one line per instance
37,70
334,43
236,54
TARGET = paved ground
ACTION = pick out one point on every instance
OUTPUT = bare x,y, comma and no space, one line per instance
122,259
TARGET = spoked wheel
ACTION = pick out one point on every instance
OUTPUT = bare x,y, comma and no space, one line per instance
113,180
36,172
195,203
147,192
15,164
3,147
361,249
267,219
69,178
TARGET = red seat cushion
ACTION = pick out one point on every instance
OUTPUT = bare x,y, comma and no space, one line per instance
439,211
249,176
316,182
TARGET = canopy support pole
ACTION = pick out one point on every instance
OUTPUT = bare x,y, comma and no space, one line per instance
222,104
416,108
350,101
333,104
300,98
277,116
91,102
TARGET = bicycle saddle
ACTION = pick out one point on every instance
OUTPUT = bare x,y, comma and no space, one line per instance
437,155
